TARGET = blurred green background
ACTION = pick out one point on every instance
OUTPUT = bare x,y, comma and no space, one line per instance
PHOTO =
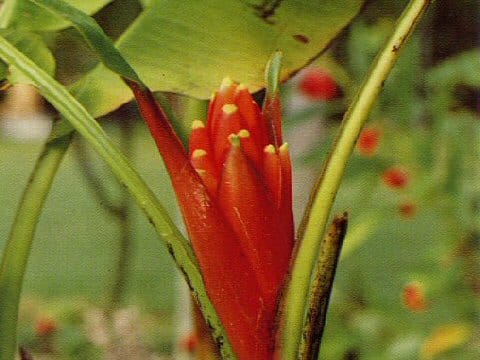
427,119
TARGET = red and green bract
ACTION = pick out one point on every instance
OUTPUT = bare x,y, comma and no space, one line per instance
234,191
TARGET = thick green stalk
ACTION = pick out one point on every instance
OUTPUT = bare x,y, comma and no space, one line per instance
17,249
331,177
86,125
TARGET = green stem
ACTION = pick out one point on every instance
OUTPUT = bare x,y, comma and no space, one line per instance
98,189
321,288
324,196
120,212
17,248
86,125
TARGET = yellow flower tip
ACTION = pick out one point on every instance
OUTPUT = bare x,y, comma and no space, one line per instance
197,124
284,148
242,87
213,96
269,149
197,153
226,82
229,109
201,171
244,133
234,140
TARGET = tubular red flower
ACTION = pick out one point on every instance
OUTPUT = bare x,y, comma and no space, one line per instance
234,191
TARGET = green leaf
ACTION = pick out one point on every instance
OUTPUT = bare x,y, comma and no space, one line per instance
23,14
359,232
86,125
272,75
33,46
189,47
3,71
460,69
94,36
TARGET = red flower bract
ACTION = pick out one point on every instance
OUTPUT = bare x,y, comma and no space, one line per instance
234,190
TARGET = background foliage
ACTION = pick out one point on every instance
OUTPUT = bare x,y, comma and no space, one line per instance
427,117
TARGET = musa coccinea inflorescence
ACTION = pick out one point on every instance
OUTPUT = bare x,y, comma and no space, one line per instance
234,191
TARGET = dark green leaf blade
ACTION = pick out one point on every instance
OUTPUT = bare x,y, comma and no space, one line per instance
94,36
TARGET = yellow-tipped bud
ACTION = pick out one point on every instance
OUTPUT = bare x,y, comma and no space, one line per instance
197,124
284,148
244,133
226,82
269,149
234,139
229,109
197,153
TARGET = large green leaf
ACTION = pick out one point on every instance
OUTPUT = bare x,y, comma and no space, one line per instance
94,36
188,47
26,15
31,45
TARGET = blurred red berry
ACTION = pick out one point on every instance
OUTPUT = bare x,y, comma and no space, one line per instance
414,297
189,342
318,84
407,210
45,326
368,141
396,178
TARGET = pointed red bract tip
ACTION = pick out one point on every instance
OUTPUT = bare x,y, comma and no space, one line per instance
273,173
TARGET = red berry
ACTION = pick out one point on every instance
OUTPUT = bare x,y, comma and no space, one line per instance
395,178
407,210
317,84
45,326
414,297
368,141
189,342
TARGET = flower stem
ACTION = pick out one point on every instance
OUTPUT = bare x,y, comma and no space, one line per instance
329,181
17,248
